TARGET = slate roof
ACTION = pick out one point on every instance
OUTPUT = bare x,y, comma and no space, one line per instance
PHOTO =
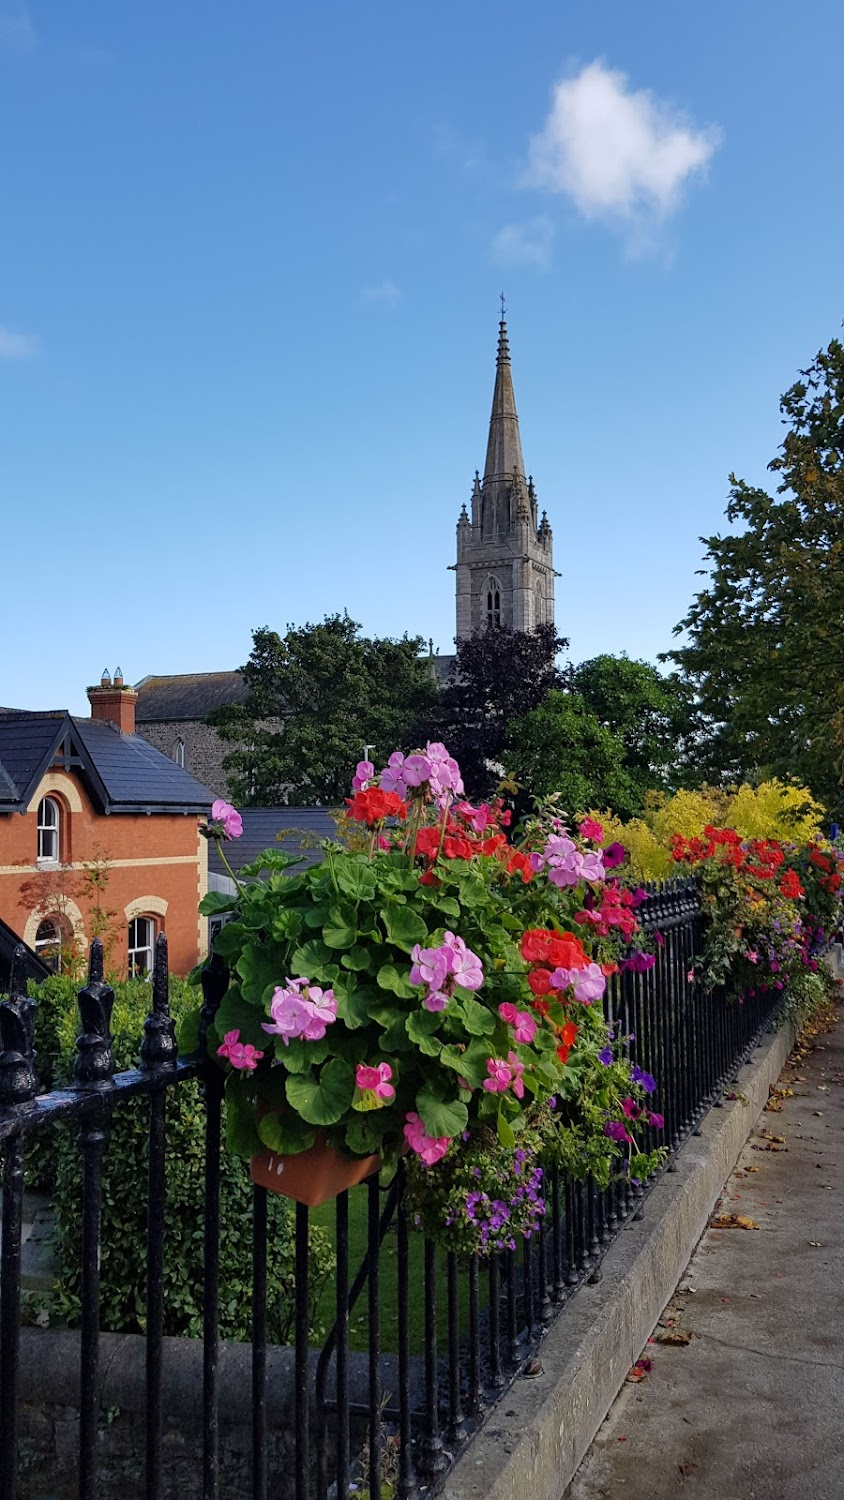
260,826
33,968
190,695
122,772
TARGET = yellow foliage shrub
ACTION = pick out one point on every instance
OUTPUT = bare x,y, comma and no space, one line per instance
774,810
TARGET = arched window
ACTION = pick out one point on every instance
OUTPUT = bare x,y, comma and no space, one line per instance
49,816
179,752
48,943
492,601
141,946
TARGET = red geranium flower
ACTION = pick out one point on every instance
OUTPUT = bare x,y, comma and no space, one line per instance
373,806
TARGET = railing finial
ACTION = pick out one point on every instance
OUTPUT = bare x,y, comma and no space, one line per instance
94,1063
17,1037
159,1048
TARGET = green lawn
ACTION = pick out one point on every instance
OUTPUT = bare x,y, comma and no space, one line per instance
359,1320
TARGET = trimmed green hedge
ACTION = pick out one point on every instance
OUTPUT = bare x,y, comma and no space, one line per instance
54,1166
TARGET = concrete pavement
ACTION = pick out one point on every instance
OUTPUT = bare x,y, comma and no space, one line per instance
752,1408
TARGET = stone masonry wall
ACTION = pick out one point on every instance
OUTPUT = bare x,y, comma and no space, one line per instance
204,750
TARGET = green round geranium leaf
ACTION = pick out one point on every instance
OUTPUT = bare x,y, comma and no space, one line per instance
322,1099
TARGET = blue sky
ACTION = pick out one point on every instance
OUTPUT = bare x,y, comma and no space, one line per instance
249,267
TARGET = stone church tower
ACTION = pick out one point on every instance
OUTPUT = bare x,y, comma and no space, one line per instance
505,568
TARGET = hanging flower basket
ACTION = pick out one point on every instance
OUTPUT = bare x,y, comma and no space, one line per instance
314,1176
360,1024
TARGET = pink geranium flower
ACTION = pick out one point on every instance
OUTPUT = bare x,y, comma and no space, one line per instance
500,1076
517,1069
431,1148
521,1020
227,818
376,1080
301,1010
364,773
240,1054
588,984
430,966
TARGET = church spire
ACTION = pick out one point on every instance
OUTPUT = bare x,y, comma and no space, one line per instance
504,446
504,570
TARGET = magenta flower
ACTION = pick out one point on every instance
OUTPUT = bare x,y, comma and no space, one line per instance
617,1131
376,1080
228,819
431,1148
614,854
632,1110
240,1054
657,1120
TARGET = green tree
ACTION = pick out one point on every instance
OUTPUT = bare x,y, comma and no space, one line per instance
317,696
562,746
765,636
498,675
652,714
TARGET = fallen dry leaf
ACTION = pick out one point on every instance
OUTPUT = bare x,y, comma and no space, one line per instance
678,1336
816,1244
752,1169
732,1221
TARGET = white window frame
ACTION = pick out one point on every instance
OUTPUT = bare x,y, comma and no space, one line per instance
140,944
55,942
179,753
49,831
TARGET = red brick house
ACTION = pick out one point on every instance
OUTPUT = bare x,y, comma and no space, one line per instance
78,795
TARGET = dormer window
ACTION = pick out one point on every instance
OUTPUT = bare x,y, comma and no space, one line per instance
492,592
49,823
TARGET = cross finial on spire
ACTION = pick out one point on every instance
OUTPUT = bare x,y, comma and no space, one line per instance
503,306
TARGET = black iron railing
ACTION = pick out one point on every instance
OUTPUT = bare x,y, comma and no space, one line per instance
388,1422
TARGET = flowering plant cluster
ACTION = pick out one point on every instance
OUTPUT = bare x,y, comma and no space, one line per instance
432,995
772,906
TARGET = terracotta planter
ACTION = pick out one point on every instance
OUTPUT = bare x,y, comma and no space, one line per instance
314,1176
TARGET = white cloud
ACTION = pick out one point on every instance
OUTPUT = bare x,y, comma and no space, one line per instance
17,33
17,345
621,155
527,244
386,292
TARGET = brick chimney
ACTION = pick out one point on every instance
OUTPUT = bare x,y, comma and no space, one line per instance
115,701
